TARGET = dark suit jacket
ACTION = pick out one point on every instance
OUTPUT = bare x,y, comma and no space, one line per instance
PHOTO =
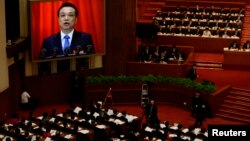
246,45
79,39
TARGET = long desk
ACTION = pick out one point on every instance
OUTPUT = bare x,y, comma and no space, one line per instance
174,70
200,44
236,60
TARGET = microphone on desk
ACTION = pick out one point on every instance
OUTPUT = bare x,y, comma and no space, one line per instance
78,48
43,53
89,48
55,51
66,51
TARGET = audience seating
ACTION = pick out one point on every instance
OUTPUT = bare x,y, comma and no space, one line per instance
178,19
94,124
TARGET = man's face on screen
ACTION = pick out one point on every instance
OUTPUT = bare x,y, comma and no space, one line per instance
67,19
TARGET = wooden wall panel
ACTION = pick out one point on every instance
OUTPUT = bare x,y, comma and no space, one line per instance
120,35
10,98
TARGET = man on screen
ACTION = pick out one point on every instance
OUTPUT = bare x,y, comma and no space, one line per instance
68,40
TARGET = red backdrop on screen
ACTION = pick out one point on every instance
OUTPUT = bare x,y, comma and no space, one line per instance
44,22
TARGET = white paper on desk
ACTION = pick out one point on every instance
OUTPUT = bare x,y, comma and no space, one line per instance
225,49
33,138
162,125
101,126
43,129
96,114
53,132
185,138
68,136
119,114
77,110
174,127
82,120
185,130
161,131
52,120
148,129
196,131
130,118
60,115
112,119
47,139
206,134
40,117
196,139
247,50
21,131
119,122
172,135
26,122
110,112
84,131
115,139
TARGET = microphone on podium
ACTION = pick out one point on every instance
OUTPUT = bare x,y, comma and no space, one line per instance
67,51
78,49
43,53
89,48
55,51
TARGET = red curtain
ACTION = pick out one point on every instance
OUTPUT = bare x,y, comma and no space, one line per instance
44,22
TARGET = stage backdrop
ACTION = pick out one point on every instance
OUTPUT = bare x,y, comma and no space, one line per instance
44,22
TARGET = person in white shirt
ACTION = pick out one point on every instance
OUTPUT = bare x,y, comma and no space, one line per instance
206,33
225,35
25,102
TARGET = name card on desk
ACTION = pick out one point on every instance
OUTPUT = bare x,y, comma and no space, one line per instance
84,131
233,49
101,126
225,49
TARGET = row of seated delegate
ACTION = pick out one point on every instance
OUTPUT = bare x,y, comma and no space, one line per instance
235,46
197,32
179,11
184,23
161,54
173,22
174,131
195,17
94,123
77,124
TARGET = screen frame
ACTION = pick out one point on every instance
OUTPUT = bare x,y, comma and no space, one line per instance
38,60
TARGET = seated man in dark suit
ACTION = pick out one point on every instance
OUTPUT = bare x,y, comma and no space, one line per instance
246,45
68,40
234,45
